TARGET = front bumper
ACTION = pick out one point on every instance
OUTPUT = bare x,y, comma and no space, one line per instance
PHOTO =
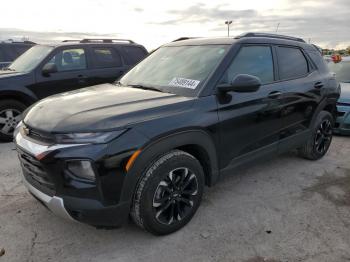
96,203
55,204
342,125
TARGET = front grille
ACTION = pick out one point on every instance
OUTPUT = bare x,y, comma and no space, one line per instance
35,173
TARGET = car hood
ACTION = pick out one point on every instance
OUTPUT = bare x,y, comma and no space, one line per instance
345,93
102,107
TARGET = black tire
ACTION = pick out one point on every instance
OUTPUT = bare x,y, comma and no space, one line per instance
9,122
161,182
321,138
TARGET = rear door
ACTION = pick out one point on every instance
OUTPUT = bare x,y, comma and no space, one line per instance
72,67
301,93
107,64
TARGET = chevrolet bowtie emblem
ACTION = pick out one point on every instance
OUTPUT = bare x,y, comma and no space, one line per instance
26,131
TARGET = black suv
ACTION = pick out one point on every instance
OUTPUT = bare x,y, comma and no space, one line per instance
9,51
190,111
50,69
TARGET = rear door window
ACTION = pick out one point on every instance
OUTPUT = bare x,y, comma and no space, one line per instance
106,57
291,63
133,54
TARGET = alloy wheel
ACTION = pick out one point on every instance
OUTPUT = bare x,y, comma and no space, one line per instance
174,197
323,136
9,118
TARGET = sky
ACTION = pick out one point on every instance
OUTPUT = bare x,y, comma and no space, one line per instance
155,22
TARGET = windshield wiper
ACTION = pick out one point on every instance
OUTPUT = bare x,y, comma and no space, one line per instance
146,87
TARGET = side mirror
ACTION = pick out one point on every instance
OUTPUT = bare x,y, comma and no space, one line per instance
241,83
49,69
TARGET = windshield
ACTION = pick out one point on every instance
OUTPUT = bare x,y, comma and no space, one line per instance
176,69
30,59
342,70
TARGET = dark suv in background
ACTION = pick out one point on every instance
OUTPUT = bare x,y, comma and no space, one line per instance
45,70
177,121
10,50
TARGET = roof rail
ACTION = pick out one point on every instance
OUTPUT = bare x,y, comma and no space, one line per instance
183,38
270,36
92,40
70,40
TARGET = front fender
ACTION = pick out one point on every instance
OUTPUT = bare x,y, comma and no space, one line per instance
153,149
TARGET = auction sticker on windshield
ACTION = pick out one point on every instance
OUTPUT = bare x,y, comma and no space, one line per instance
183,82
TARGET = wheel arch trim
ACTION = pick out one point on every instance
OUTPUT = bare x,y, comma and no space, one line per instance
322,106
25,98
154,148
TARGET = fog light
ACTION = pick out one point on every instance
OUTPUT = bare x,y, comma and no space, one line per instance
81,169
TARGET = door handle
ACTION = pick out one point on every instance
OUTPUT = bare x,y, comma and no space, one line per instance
274,94
318,85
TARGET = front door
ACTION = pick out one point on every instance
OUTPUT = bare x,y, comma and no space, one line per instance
71,73
250,122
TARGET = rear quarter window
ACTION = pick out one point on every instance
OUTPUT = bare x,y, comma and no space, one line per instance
133,54
291,63
318,60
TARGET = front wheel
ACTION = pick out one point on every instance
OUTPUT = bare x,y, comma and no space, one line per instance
169,193
321,138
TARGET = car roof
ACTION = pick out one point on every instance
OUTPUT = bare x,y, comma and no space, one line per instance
254,38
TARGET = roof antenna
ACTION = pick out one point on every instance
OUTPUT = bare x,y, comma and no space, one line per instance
278,25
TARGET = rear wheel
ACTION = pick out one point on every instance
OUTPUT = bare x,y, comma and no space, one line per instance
321,139
10,115
169,193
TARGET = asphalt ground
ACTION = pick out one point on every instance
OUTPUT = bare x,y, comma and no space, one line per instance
282,209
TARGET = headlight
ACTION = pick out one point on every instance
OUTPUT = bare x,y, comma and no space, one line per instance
94,138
